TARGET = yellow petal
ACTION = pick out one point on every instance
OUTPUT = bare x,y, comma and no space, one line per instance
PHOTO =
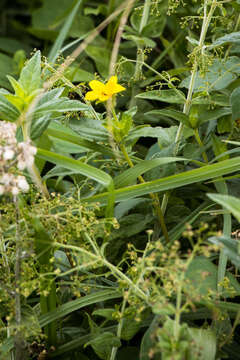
112,87
96,85
104,97
91,96
112,81
118,88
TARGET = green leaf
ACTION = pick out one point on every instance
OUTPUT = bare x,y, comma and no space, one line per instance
147,342
172,182
233,37
81,26
173,114
8,111
101,56
60,105
170,96
140,41
235,103
77,166
129,176
39,125
231,248
77,304
103,344
166,136
205,344
60,132
202,278
90,129
219,75
130,327
231,203
17,87
30,77
219,148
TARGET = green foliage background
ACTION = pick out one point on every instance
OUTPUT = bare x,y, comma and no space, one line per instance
130,200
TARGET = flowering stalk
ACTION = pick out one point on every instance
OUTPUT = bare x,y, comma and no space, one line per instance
153,196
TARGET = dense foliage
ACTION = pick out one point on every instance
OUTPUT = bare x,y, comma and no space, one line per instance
119,175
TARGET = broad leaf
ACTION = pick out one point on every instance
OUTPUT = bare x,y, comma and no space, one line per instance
30,77
170,96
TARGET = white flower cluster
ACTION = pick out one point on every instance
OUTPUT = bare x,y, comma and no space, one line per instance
13,155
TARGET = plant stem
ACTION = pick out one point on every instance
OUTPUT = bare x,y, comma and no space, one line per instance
153,196
187,105
119,329
33,170
118,273
117,41
19,340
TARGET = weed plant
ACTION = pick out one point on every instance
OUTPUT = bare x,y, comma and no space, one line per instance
119,179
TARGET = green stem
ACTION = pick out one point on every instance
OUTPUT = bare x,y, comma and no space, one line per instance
200,144
153,196
187,105
119,329
33,170
221,187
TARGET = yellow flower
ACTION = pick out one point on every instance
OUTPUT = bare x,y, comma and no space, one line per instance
103,92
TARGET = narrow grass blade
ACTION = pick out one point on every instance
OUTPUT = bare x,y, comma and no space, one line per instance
74,305
76,165
63,33
172,182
